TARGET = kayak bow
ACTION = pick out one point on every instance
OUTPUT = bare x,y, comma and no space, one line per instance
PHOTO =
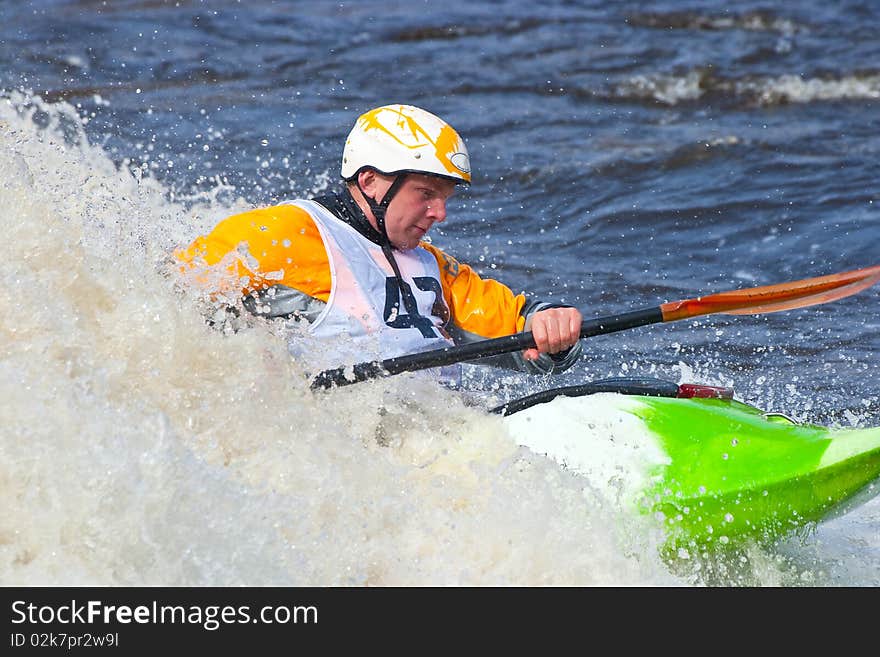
716,471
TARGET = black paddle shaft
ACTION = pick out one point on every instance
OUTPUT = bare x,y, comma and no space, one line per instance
342,376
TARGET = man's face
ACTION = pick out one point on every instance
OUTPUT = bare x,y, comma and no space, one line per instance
419,204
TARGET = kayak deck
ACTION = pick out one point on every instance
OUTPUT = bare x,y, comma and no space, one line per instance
715,471
735,473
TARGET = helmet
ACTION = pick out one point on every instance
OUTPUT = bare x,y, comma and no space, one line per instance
402,138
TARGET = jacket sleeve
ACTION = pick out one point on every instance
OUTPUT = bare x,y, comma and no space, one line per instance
272,257
484,308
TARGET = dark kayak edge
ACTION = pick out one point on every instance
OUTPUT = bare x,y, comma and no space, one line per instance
624,386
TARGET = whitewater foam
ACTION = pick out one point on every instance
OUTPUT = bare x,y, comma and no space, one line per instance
142,447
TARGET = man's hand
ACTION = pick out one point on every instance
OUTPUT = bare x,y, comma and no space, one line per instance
555,330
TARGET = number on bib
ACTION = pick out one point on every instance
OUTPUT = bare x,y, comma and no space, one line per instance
395,289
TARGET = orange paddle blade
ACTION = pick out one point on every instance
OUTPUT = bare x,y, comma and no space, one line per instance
773,298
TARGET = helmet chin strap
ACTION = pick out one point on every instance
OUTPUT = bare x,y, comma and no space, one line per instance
379,209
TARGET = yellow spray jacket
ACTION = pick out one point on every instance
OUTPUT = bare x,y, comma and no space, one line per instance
278,257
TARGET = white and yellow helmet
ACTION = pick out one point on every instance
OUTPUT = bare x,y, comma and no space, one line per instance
402,138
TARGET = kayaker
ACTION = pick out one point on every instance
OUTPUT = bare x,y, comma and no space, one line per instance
356,262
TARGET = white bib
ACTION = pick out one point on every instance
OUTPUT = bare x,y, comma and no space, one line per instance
365,301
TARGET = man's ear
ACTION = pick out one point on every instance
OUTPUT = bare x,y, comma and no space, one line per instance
367,181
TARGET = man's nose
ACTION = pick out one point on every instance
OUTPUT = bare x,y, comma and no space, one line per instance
437,211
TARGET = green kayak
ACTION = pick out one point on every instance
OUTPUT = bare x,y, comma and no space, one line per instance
713,470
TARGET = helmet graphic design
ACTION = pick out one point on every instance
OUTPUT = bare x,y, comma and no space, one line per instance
401,138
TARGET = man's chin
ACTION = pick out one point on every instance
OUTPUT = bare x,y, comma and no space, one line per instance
409,244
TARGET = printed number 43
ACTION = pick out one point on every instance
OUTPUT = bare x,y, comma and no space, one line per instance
395,289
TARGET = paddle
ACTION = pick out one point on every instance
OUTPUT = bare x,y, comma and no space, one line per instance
750,301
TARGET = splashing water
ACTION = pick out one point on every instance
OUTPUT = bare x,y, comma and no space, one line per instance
142,447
